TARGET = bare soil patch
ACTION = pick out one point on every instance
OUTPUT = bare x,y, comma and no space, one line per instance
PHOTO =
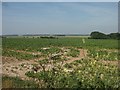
14,67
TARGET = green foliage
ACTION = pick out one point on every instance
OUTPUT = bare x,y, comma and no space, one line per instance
51,50
99,35
68,66
114,35
30,74
87,73
48,37
15,82
30,44
101,44
19,55
103,54
44,61
73,52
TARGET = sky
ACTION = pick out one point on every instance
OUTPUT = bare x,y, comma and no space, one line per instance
59,17
60,0
0,18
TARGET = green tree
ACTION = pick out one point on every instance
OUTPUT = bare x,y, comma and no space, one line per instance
98,35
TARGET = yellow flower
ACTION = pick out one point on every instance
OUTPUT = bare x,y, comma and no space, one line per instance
106,67
79,71
65,69
101,76
94,62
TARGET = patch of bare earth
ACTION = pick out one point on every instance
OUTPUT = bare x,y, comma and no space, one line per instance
14,67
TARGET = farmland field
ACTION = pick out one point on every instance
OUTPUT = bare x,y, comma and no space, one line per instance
63,62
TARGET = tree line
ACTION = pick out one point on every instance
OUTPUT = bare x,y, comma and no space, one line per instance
99,35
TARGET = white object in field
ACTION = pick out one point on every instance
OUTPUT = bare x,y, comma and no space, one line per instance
83,40
45,48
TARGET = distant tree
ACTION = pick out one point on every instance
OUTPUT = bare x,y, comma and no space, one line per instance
48,37
98,35
114,35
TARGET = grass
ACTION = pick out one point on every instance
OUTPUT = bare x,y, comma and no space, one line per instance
103,54
15,82
87,73
51,50
73,52
32,44
19,55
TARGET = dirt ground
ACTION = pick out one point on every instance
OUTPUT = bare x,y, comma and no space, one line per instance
13,67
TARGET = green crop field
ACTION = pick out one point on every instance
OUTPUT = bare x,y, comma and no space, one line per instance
63,62
36,43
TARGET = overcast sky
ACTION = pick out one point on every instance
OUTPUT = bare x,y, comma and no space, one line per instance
59,17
